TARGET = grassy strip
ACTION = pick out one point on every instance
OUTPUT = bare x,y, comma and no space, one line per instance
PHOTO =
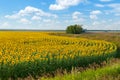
90,74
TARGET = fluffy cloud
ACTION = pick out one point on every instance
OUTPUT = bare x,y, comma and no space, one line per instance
93,17
15,16
25,21
47,20
114,5
36,18
30,16
5,24
96,12
115,24
115,8
30,11
63,4
93,14
95,23
76,15
99,5
105,0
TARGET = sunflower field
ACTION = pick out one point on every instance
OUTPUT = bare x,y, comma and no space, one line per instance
35,53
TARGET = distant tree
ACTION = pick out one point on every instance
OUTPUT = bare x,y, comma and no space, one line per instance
74,29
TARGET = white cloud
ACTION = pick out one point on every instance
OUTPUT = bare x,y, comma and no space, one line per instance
93,17
96,12
114,5
80,20
95,23
47,20
5,24
29,11
25,21
76,15
99,5
36,18
115,8
93,14
117,23
63,4
105,0
117,14
114,25
12,16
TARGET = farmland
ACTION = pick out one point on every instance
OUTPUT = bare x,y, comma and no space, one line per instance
111,69
34,54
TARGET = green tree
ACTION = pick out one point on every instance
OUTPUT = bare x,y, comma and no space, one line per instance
74,29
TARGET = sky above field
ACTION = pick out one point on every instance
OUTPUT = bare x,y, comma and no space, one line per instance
58,14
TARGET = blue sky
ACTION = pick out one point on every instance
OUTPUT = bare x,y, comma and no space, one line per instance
58,14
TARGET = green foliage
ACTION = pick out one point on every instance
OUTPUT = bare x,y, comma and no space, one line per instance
74,29
106,73
49,65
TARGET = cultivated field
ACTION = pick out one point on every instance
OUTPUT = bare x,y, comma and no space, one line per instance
110,70
24,54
